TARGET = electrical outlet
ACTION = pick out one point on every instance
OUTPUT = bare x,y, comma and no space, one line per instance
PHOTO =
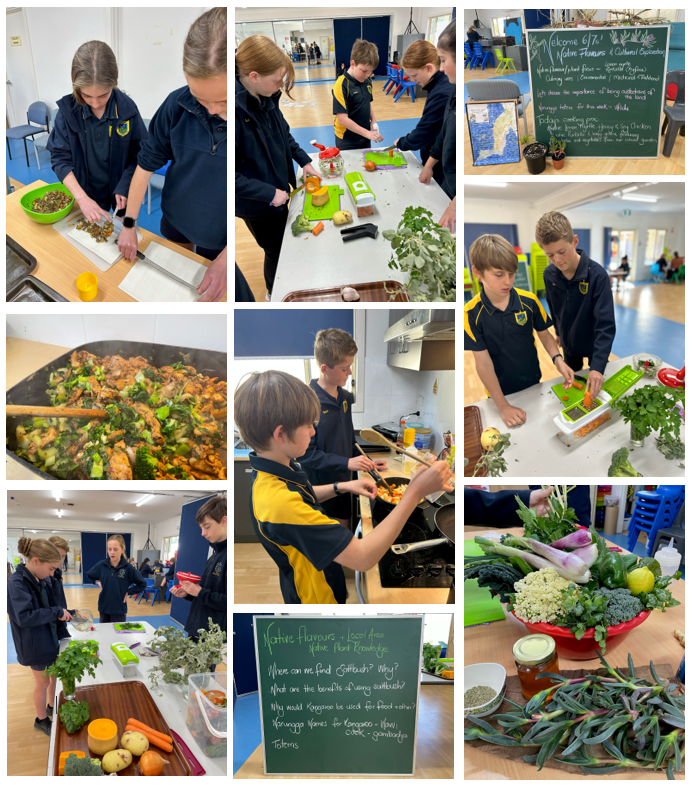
419,402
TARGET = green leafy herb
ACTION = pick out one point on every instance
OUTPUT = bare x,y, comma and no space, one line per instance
493,461
73,715
671,448
176,650
558,522
652,408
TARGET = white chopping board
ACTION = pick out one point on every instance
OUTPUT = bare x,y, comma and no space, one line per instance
104,255
145,283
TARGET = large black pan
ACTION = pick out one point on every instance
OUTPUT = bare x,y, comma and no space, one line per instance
444,523
381,508
32,390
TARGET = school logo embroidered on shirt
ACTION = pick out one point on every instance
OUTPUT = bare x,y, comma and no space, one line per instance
325,411
123,129
345,406
218,569
121,573
370,90
521,318
583,287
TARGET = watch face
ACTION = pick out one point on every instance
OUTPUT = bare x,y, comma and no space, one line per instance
128,221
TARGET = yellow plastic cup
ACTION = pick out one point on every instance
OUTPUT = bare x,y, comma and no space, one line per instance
87,286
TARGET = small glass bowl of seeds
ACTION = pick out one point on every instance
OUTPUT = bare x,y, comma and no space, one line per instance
484,688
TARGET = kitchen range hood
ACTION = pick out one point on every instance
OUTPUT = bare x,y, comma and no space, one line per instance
422,339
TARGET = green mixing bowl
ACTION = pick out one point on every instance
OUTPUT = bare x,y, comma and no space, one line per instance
27,202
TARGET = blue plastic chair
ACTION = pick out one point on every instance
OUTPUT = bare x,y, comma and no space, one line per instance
655,274
395,78
404,85
482,57
150,587
468,55
391,77
653,511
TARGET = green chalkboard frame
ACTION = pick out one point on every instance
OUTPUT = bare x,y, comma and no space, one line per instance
572,31
416,621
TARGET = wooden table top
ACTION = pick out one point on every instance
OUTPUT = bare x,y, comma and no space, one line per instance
652,640
59,263
373,591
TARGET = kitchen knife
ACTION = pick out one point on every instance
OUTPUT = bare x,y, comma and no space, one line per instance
162,270
295,191
391,147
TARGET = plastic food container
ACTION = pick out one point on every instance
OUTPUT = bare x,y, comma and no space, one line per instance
207,722
188,576
571,438
422,440
639,364
27,202
87,286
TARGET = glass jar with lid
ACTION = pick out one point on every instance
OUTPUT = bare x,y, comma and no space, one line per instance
535,654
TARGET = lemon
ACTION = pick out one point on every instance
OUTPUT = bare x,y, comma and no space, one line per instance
489,438
641,579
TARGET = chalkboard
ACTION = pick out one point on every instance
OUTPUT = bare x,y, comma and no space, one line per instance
600,90
339,696
522,280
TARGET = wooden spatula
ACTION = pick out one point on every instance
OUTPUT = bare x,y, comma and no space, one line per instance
374,437
48,411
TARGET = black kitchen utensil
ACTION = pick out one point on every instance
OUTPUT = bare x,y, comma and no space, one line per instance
368,230
375,475
444,524
32,390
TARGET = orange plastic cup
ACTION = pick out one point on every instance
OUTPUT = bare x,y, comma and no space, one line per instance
87,286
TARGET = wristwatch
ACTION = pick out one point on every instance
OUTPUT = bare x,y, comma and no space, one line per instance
557,355
337,490
129,222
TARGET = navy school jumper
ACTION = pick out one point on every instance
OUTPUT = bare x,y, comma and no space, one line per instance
115,582
212,601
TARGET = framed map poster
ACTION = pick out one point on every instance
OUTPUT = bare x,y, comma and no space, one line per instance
493,131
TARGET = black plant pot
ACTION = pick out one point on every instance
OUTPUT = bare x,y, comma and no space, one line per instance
535,157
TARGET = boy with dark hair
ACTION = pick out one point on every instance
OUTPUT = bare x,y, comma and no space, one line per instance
499,324
275,414
580,299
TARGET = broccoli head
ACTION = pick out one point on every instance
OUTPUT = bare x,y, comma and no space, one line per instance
145,464
301,224
621,607
82,767
620,464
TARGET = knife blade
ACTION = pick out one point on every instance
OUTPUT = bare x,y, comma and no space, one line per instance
391,147
295,191
162,270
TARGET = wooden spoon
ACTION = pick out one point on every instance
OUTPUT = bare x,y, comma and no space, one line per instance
375,437
48,411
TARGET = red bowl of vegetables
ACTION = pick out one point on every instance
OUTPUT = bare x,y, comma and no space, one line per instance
569,647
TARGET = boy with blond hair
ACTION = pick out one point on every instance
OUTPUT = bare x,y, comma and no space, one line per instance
355,125
275,413
580,299
499,324
332,454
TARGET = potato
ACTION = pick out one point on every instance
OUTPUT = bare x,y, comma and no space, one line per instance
134,742
116,761
342,217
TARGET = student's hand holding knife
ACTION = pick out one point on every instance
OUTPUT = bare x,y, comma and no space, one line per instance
127,243
594,383
66,616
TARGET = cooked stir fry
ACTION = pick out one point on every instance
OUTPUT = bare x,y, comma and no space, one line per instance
51,202
163,423
383,493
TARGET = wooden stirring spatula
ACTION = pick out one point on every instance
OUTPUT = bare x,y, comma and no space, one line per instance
48,411
374,437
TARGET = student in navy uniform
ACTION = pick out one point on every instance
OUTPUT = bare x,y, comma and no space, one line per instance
422,64
97,134
190,130
332,455
498,327
579,297
37,620
444,149
146,569
264,147
355,125
114,576
242,288
209,597
500,508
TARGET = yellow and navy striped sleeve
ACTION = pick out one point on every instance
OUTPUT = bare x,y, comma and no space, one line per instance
530,302
339,104
473,329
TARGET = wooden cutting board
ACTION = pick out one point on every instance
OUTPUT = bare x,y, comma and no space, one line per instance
473,427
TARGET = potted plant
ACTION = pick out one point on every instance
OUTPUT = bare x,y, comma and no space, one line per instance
78,658
534,153
557,151
649,409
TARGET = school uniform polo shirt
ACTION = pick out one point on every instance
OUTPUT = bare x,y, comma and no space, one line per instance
301,539
353,98
507,336
98,150
583,311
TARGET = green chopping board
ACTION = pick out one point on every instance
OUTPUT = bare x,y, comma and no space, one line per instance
383,159
573,394
317,213
479,606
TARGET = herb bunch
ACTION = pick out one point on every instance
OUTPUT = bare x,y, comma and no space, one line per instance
176,650
557,523
639,724
493,461
652,408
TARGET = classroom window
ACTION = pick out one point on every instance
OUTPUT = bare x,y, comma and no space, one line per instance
655,244
622,243
436,24
436,628
499,25
170,545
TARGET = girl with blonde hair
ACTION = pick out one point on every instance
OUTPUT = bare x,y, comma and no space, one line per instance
422,64
114,576
37,620
97,134
264,147
189,130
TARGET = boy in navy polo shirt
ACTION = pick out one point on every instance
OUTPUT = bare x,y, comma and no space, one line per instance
498,327
332,454
580,299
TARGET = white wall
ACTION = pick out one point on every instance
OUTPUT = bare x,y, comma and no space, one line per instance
208,332
480,211
147,42
486,16
391,392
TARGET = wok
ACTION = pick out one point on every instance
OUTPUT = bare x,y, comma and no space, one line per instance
381,508
32,390
444,525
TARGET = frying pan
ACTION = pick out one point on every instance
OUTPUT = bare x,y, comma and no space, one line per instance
32,390
444,525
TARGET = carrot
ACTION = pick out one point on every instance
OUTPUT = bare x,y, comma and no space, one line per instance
578,385
155,740
318,229
145,728
587,399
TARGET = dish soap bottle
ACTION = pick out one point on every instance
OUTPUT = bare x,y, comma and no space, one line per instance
669,559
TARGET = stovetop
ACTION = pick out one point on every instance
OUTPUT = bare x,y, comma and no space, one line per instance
432,567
